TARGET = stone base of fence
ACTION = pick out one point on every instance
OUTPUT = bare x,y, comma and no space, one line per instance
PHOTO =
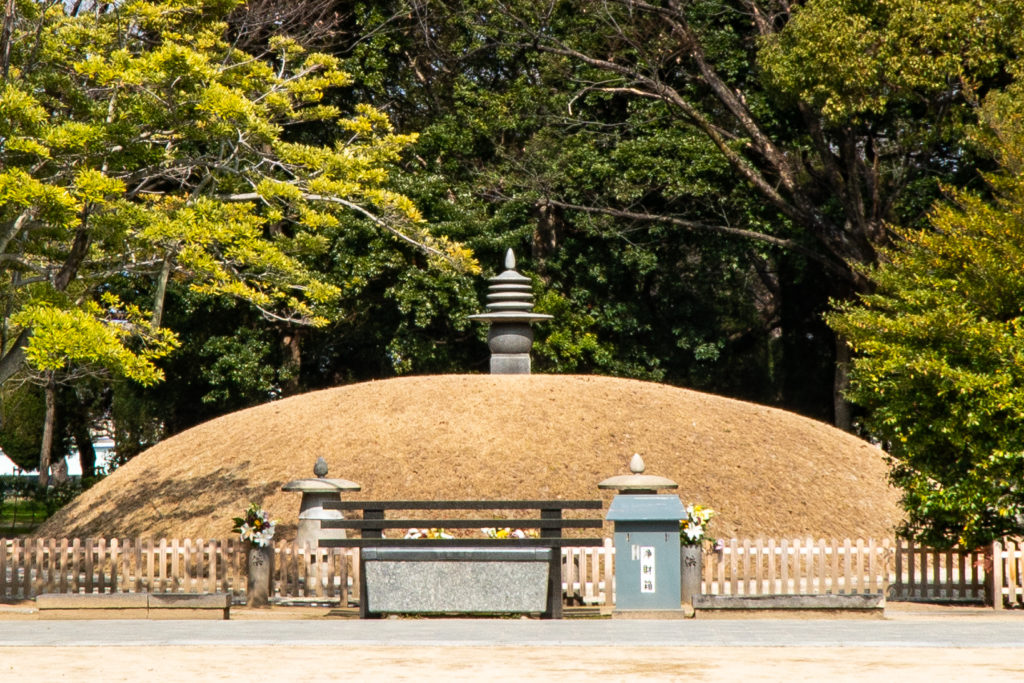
133,606
775,606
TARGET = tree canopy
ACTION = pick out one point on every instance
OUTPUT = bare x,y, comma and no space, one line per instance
939,345
141,148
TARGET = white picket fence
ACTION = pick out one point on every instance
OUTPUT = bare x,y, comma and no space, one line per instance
898,569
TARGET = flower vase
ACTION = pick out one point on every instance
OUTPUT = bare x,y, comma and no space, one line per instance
259,572
691,561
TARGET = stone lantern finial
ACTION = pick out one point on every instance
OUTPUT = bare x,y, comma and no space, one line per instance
320,468
510,314
637,482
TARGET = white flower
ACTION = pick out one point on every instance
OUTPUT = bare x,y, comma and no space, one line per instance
694,531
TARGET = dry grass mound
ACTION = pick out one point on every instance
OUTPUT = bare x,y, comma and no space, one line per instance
766,471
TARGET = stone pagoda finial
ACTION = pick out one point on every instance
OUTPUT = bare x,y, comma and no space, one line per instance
510,314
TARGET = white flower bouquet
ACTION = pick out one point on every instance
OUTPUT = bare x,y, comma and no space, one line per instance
694,527
256,526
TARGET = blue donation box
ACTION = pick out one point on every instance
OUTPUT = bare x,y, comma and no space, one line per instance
647,569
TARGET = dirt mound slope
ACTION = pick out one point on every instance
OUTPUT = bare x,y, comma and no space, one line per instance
767,472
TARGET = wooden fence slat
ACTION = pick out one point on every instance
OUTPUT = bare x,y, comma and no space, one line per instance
609,573
734,573
16,582
935,585
720,559
114,559
806,572
51,565
823,568
847,587
3,568
759,588
161,554
858,568
89,550
997,575
784,564
1010,573
100,565
40,567
911,570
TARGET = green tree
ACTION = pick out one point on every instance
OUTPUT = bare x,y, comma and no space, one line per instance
835,116
939,347
138,145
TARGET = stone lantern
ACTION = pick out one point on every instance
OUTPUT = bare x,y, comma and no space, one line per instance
647,557
316,492
510,314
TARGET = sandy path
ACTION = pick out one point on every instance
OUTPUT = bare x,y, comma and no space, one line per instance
290,663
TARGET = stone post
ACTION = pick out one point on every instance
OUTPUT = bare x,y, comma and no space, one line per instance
259,574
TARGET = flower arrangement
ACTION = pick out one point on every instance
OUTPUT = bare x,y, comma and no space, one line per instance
506,532
427,533
693,528
256,526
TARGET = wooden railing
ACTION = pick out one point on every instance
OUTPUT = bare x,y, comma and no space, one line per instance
1008,572
797,567
29,567
929,575
901,570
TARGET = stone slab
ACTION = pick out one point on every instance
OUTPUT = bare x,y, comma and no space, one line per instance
191,614
133,606
94,614
95,601
685,613
782,602
189,600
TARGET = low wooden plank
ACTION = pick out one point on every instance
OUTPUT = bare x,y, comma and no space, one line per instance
464,505
458,542
520,523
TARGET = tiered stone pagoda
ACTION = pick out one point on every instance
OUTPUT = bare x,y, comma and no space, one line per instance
510,314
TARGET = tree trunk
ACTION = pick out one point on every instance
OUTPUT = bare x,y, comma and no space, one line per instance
160,293
546,236
843,417
5,39
86,452
291,343
45,450
59,470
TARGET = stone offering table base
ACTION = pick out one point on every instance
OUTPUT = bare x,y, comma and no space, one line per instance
457,580
461,575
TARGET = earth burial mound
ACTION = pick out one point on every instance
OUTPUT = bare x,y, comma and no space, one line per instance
766,472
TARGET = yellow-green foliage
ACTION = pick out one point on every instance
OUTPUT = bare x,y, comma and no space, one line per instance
143,135
90,336
851,58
